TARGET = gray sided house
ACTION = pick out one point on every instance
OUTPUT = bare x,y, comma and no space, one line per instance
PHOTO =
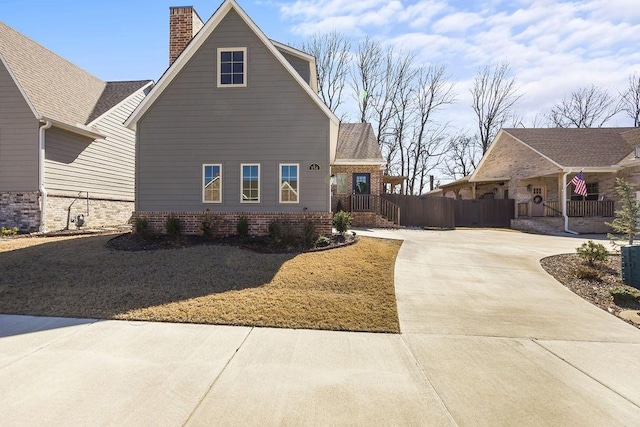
233,128
64,151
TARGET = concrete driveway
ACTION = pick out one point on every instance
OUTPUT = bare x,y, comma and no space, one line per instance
488,338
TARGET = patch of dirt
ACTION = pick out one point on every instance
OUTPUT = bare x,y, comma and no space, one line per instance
261,244
598,290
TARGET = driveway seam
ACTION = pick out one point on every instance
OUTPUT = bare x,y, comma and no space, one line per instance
215,380
584,372
424,376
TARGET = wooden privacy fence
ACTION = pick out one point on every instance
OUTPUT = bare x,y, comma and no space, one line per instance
444,212
424,211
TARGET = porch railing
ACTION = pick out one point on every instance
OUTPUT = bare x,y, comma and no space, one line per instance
372,203
575,208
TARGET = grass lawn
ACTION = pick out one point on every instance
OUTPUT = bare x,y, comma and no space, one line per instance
349,288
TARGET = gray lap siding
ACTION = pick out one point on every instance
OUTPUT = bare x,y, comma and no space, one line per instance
271,121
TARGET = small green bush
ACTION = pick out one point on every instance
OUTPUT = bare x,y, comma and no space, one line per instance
283,235
173,226
592,252
309,234
207,225
339,207
142,227
587,273
625,295
323,242
9,231
243,226
342,221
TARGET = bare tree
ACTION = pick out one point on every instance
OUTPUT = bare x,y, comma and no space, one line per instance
463,156
332,53
494,96
630,100
367,75
587,107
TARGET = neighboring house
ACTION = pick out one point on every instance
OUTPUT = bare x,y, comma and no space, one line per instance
235,128
533,166
64,150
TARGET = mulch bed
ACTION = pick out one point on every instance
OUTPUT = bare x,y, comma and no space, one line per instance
597,291
261,244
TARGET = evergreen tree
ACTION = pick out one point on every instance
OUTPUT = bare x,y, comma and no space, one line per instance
626,220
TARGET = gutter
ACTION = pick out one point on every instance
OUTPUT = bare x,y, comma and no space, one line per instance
43,190
564,203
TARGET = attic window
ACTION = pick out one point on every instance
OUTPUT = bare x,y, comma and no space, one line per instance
232,67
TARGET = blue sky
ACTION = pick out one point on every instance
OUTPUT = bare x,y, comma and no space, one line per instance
553,46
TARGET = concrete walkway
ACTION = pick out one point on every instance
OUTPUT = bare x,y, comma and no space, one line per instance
488,338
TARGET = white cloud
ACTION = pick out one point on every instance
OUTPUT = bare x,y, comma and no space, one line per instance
553,46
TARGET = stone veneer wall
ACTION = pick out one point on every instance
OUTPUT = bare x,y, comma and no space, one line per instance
20,210
225,223
594,224
101,212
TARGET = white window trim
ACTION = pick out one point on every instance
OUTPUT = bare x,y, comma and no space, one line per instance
244,65
203,186
280,182
242,165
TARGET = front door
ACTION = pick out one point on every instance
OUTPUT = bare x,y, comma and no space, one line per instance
539,197
361,191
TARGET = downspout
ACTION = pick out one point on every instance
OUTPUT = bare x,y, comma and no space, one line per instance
43,191
564,204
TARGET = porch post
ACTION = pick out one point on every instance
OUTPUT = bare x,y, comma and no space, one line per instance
564,203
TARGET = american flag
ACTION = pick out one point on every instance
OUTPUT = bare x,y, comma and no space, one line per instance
580,187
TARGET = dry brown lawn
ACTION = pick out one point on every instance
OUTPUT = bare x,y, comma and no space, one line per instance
349,288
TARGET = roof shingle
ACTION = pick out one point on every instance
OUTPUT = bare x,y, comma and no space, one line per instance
357,143
584,147
56,88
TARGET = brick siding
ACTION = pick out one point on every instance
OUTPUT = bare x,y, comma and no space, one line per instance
99,213
20,210
225,223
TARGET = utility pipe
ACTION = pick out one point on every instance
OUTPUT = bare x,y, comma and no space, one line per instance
564,204
43,191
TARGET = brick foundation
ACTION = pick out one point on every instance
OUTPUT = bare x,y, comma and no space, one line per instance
225,223
20,210
99,213
371,220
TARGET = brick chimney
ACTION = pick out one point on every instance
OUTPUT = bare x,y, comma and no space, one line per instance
184,23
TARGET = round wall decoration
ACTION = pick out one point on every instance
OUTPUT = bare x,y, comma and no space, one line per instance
537,199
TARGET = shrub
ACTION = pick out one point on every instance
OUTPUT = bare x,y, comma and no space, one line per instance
323,242
207,226
342,221
625,295
9,231
592,252
339,207
587,273
243,226
142,227
309,234
173,226
283,235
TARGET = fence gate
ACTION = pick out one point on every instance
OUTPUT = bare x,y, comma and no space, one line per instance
484,213
424,211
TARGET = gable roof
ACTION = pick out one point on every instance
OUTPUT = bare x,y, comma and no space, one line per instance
55,88
578,148
195,44
113,94
357,144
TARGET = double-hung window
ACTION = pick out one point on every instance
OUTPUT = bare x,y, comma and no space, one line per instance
250,178
232,67
289,183
212,183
